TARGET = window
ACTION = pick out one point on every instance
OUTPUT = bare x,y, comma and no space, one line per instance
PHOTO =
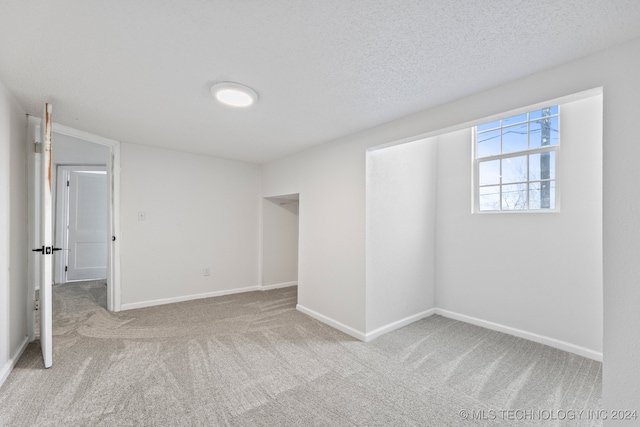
515,162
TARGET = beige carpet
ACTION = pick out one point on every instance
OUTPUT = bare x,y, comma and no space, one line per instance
252,359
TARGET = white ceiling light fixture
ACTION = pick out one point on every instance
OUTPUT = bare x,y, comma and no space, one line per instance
234,94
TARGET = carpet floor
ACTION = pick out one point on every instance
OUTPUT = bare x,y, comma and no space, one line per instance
253,360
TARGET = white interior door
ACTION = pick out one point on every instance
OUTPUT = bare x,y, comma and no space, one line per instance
87,225
46,248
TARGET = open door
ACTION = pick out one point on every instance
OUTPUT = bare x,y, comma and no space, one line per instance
46,248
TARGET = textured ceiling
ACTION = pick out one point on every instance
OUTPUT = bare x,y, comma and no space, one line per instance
139,71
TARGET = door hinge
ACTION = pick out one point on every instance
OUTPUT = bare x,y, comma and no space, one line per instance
66,268
67,183
37,147
37,305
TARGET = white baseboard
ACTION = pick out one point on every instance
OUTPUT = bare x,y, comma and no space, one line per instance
278,285
333,323
398,324
152,303
551,342
8,367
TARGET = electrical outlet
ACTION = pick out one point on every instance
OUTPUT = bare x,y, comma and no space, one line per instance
206,271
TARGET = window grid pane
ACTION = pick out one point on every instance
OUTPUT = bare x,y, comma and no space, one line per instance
518,181
541,130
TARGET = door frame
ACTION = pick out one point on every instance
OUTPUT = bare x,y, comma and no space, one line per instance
113,178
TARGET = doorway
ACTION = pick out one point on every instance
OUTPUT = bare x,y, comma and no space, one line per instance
72,147
280,230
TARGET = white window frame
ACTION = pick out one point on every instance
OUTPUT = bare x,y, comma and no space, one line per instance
476,166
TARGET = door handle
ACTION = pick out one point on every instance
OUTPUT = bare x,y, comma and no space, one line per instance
46,250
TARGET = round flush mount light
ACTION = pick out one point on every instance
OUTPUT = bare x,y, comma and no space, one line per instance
234,94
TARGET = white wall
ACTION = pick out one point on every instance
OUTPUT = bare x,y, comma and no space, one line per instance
401,211
332,213
331,266
281,176
5,207
68,150
18,228
200,212
13,233
537,272
279,241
